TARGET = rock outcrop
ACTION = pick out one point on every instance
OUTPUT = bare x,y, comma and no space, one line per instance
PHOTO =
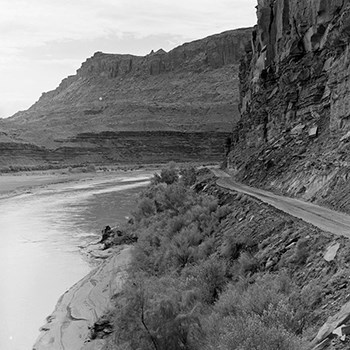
129,147
295,100
160,107
194,87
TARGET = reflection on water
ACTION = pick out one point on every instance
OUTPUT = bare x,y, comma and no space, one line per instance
39,239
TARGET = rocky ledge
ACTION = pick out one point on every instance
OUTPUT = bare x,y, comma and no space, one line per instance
293,135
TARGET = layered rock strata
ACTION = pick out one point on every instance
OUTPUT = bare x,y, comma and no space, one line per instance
117,147
192,88
295,100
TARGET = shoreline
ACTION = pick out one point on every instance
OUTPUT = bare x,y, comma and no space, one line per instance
80,307
12,185
18,183
34,191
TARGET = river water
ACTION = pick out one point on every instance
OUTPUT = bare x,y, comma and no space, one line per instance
40,236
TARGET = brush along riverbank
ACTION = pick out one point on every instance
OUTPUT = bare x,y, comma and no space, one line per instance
215,269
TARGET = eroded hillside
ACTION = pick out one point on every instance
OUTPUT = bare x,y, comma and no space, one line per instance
192,88
179,105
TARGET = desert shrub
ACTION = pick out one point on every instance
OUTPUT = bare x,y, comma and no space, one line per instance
180,252
246,333
229,302
248,264
91,168
188,175
234,244
304,303
223,211
211,279
301,253
145,208
206,248
157,315
167,175
174,197
256,315
175,225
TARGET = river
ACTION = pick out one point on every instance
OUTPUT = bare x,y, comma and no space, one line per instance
40,235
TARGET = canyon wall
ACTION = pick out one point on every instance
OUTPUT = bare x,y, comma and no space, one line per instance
192,88
128,147
295,99
179,105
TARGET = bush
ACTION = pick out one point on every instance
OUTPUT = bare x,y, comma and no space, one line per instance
91,168
167,175
145,208
247,264
188,175
247,333
152,314
211,279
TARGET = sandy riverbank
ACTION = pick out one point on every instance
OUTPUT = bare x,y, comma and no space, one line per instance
27,182
69,326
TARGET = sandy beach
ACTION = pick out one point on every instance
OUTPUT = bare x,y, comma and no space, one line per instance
12,184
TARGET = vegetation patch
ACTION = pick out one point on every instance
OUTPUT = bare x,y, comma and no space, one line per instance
218,270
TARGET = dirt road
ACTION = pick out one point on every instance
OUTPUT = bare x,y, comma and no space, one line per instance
326,219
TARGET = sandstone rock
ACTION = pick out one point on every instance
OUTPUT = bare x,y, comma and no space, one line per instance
294,63
332,323
194,87
313,132
298,129
331,252
346,137
297,72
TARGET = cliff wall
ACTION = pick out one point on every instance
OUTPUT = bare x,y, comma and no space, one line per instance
295,94
192,88
117,147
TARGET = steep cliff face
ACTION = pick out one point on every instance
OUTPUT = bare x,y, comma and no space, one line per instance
295,99
192,88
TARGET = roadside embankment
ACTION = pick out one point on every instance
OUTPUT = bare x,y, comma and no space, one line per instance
211,268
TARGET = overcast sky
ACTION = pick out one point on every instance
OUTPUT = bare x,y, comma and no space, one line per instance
43,41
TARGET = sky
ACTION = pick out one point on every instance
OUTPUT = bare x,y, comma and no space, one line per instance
44,41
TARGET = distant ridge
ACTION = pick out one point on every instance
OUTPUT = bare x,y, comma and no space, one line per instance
192,88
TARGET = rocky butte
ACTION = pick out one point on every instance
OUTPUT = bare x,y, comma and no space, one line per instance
150,108
295,92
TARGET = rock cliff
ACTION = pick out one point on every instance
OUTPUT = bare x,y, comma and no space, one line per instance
194,87
164,106
128,147
294,105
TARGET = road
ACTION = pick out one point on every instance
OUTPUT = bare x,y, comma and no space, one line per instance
326,219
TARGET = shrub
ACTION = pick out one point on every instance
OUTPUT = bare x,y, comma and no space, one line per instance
145,208
301,253
91,168
211,279
151,314
167,175
247,263
246,333
188,175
